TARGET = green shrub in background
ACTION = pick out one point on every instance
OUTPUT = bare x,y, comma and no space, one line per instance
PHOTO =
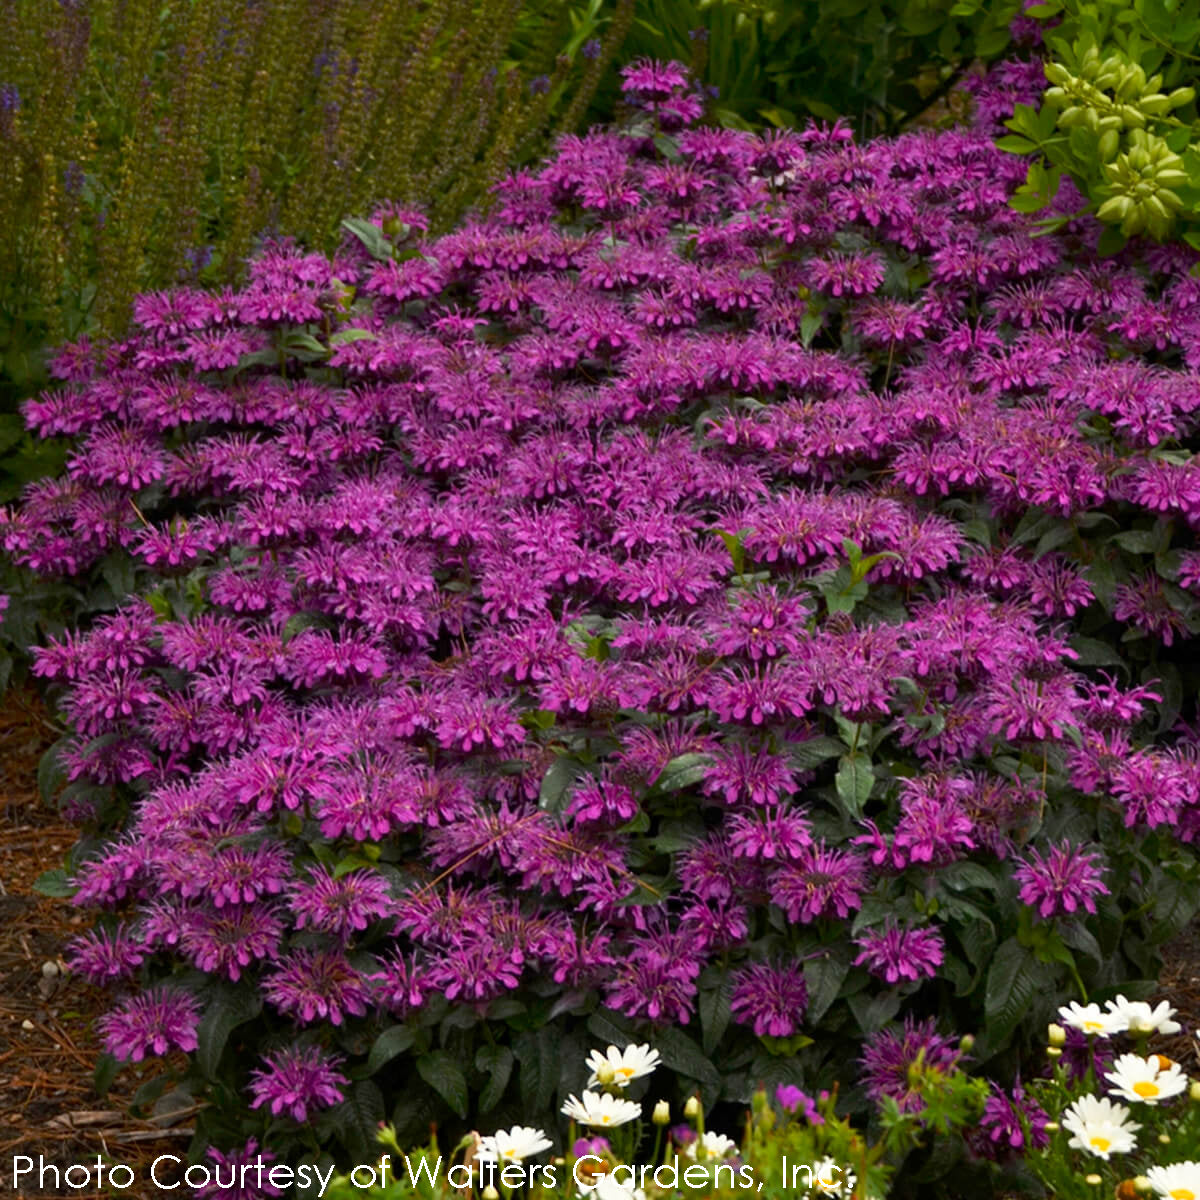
1119,115
880,63
145,143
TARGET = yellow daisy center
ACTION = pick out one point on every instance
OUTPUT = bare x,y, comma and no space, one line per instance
1100,1143
626,1071
1146,1089
1093,1024
1181,1194
605,1118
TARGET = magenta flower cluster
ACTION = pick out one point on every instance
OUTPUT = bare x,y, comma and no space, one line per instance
638,584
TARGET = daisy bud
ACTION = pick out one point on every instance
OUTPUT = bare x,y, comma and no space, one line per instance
967,1043
1143,1185
1053,1052
490,1193
1056,1035
691,1109
1052,1127
1094,1180
605,1073
662,1113
1164,1139
1194,1090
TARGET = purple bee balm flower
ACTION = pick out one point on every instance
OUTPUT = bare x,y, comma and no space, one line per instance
792,1100
771,999
297,1081
341,906
152,1022
890,1054
316,985
102,956
1062,881
893,954
819,883
1009,1123
234,1174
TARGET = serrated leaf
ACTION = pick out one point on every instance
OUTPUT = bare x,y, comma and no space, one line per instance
855,779
497,1063
683,771
51,775
873,1010
1014,980
681,1054
715,1013
107,1069
804,756
388,1045
559,777
824,977
444,1075
54,883
371,236
226,1006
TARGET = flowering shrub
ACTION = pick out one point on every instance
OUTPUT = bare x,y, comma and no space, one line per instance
739,589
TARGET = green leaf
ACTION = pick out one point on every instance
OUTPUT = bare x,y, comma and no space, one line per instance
873,1010
1015,144
539,1058
390,1043
54,883
1139,541
683,771
1014,981
497,1063
824,977
226,1006
559,777
443,1074
51,774
371,236
343,336
107,1069
855,779
714,1012
804,756
681,1054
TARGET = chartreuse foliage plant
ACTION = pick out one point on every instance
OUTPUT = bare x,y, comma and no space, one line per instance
147,143
1118,117
736,594
880,63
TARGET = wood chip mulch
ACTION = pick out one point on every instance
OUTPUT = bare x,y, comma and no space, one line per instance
48,1051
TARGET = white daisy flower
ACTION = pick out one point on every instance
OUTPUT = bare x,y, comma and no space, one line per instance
829,1179
608,1188
1179,1181
1100,1127
512,1145
1091,1019
631,1063
711,1145
1140,1018
602,1109
1146,1080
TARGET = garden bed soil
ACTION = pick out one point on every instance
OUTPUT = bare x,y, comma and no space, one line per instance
48,1050
48,1104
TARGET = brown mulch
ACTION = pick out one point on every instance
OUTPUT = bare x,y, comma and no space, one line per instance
48,1051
